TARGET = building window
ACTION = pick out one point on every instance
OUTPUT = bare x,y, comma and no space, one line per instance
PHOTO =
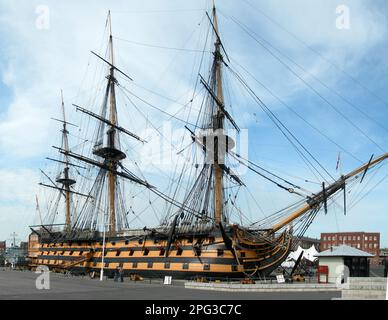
140,241
375,238
71,253
358,238
242,254
324,238
113,243
126,242
167,265
375,245
162,252
134,265
80,253
340,237
106,264
121,265
131,252
185,266
220,252
234,268
146,252
118,252
150,265
206,267
329,238
179,252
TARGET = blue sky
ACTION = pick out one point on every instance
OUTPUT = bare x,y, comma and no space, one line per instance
35,64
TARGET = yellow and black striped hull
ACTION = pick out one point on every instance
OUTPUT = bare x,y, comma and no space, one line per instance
188,256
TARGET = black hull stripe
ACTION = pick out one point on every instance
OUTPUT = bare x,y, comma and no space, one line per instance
225,261
160,274
61,238
126,249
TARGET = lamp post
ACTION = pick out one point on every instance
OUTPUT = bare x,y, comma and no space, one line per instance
103,252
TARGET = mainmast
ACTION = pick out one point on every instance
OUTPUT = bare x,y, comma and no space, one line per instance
65,179
218,125
110,152
111,139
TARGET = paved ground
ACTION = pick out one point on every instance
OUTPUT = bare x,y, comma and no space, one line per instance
377,271
21,285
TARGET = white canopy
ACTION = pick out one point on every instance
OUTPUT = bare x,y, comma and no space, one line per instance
308,254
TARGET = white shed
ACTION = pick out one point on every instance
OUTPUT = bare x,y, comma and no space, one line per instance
343,257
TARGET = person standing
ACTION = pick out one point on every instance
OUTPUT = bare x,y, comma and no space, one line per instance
116,275
121,274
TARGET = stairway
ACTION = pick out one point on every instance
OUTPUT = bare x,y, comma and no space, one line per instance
365,289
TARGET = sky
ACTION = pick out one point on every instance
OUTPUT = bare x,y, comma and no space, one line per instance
45,47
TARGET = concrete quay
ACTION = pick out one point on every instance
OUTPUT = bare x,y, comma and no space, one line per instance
237,287
365,289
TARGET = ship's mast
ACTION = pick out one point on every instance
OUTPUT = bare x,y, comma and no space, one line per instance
65,179
218,125
111,138
110,152
107,147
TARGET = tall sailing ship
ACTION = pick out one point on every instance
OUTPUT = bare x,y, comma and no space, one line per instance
195,238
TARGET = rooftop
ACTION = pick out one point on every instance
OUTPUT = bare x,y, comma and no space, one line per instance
350,232
344,251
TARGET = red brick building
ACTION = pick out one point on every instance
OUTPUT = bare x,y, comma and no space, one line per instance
368,242
3,246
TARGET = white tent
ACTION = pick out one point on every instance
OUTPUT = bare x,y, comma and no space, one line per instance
308,254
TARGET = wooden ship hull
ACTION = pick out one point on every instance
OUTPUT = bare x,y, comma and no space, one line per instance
216,254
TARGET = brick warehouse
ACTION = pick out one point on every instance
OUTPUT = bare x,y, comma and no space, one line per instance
368,242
